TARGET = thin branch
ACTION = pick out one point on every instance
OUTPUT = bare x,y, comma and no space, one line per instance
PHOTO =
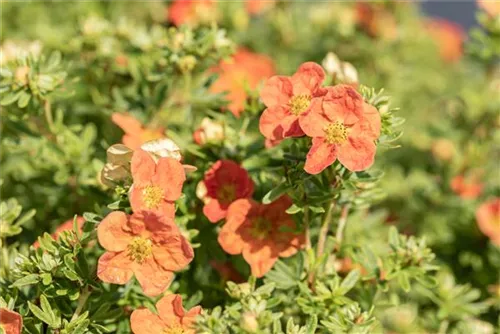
342,223
82,300
307,228
325,227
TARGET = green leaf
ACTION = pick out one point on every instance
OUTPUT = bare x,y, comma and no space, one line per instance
350,281
23,100
26,280
312,324
275,193
37,312
393,237
293,209
404,281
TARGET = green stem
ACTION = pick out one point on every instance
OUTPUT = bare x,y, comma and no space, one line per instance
325,227
48,114
82,300
342,223
307,228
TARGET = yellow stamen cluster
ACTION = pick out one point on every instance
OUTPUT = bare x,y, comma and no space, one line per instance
299,103
173,330
140,249
152,196
261,228
336,133
226,193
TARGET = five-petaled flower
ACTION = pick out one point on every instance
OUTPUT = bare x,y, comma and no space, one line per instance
144,244
289,99
344,127
488,219
156,184
244,71
261,233
225,182
11,322
466,187
135,133
171,318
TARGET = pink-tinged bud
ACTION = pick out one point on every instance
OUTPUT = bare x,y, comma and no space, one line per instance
209,132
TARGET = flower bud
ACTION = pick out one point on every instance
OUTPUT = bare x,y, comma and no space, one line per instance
21,75
119,154
187,63
443,149
209,132
162,148
111,174
249,322
331,64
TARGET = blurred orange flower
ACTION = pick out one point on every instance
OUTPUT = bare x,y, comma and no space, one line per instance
244,71
488,219
191,11
466,187
376,20
492,7
290,98
135,134
258,6
257,231
449,38
345,128
225,182
172,318
11,322
157,185
227,272
66,226
146,245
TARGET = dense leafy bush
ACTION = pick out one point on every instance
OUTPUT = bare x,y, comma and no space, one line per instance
248,167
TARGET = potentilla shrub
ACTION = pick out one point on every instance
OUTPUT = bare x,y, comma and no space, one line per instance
241,167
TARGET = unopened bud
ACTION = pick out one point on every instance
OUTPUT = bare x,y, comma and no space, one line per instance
249,322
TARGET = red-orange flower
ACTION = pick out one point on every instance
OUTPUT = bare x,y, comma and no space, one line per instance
492,7
156,185
290,98
227,272
376,20
466,187
244,71
191,11
261,233
66,226
488,219
172,318
449,38
11,322
225,182
344,128
258,6
146,245
135,134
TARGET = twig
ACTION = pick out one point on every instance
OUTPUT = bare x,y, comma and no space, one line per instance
325,227
307,228
48,115
82,300
342,223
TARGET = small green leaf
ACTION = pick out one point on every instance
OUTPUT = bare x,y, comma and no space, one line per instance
37,312
350,281
26,280
275,193
393,237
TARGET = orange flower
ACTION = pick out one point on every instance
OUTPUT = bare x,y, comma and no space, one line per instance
345,128
191,11
11,322
449,38
225,182
156,185
492,7
66,226
146,245
488,219
466,187
376,20
172,318
257,231
135,134
258,6
244,71
290,98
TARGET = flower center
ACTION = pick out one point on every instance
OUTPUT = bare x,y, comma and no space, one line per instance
140,249
299,104
336,133
152,196
261,228
226,194
173,330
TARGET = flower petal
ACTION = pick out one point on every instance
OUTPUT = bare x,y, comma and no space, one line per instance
170,309
10,321
115,268
143,321
320,156
357,153
343,102
369,125
129,124
214,211
143,167
175,254
261,260
307,79
190,317
314,121
170,176
152,277
111,233
229,239
276,91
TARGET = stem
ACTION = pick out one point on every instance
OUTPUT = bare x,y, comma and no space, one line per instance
342,223
443,327
48,114
325,227
82,300
307,228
